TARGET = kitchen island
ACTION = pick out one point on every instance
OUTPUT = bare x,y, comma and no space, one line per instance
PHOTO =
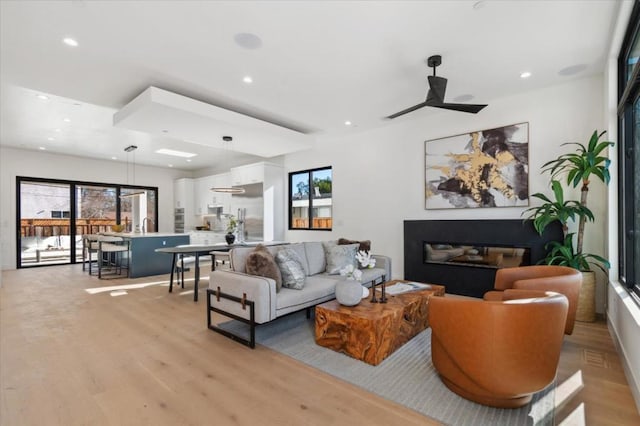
144,260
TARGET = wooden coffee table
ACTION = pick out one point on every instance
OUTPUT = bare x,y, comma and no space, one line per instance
369,331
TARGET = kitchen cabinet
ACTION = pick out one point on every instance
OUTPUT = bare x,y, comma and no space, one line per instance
184,204
183,193
204,197
246,175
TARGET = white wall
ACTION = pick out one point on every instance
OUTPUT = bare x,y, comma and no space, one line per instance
17,162
378,175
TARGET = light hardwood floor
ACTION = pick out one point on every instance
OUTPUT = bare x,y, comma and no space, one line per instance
68,357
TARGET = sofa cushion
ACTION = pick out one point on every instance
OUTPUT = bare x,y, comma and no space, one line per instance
315,257
339,256
238,256
299,248
261,262
363,245
290,263
317,289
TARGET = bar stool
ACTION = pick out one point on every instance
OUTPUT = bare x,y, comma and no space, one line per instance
184,261
89,245
113,250
221,258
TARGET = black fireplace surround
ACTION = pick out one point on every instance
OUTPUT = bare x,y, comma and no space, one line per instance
469,279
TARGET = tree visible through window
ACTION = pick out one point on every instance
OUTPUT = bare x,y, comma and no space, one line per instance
310,201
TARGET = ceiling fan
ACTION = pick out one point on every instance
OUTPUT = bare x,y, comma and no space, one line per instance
435,95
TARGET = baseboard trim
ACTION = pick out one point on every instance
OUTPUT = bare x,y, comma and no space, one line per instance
631,379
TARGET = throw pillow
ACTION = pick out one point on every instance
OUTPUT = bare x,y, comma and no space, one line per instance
260,262
339,256
364,245
290,263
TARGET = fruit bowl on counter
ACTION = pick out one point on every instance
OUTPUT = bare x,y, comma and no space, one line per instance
117,228
202,228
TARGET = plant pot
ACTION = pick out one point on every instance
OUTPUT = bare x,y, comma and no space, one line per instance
230,238
586,311
349,292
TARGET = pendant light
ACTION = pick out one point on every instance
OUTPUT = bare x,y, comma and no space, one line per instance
228,189
131,148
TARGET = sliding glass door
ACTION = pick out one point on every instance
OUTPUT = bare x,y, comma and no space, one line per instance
45,219
96,211
54,215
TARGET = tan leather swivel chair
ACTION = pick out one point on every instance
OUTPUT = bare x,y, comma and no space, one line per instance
498,353
561,279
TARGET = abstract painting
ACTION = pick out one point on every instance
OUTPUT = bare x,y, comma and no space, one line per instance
485,168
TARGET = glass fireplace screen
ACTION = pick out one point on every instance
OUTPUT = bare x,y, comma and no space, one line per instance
482,256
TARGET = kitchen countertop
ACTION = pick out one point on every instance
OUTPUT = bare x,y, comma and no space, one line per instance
144,234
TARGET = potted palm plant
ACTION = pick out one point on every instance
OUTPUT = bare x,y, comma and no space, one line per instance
577,167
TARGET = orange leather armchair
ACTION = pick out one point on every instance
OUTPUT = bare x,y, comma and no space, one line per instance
498,353
561,279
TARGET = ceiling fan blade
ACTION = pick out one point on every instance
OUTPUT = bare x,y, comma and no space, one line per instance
408,110
471,108
437,88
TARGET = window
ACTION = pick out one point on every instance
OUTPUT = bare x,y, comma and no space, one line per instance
629,155
54,214
310,203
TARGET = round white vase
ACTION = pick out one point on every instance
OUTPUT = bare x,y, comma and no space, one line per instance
349,292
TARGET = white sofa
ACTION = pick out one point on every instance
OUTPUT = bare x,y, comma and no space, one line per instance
254,300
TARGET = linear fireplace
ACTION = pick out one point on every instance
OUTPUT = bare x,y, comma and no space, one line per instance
463,255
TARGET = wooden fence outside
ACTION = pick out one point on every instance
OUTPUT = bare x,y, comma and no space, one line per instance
53,227
318,223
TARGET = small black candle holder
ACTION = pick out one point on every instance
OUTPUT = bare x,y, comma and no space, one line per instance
374,299
383,298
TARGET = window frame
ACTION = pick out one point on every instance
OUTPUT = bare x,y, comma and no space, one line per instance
310,216
628,95
72,213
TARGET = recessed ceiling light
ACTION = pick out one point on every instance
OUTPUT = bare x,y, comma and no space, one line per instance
58,130
247,79
70,41
114,158
42,97
42,148
51,139
188,160
175,153
525,74
67,120
347,123
170,165
248,40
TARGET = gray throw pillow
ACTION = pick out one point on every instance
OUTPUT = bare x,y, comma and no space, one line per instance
260,262
339,256
290,263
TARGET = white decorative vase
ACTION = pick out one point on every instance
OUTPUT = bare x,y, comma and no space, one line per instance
349,292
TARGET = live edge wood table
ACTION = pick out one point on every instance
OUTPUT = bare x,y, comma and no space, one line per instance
369,331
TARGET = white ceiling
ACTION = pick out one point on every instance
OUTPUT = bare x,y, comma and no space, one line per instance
320,63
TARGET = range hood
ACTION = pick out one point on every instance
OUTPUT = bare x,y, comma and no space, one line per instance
167,114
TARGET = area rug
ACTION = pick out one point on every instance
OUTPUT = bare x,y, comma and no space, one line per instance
406,377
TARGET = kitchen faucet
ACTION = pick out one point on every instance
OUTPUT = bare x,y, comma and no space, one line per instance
144,221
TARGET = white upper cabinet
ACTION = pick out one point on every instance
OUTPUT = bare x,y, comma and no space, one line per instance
245,175
183,193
